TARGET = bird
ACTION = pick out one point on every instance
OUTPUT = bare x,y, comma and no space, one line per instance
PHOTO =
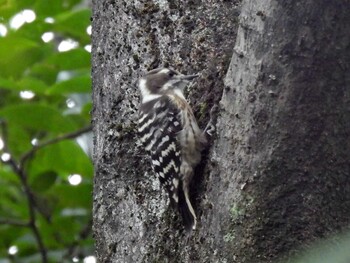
169,132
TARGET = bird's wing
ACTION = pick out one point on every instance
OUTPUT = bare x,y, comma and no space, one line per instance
159,125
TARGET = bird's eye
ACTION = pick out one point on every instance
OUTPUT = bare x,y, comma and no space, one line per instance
171,73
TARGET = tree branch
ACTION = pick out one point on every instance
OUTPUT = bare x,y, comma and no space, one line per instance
18,168
67,136
30,198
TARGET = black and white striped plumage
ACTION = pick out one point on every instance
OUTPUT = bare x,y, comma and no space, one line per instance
169,132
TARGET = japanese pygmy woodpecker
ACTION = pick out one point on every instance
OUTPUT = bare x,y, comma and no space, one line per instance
169,132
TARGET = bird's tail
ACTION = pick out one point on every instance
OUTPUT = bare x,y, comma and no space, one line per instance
186,210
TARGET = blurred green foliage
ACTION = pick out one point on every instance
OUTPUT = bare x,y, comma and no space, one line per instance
334,249
38,204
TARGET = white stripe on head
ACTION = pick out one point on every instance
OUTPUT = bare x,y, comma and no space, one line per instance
143,87
164,70
145,92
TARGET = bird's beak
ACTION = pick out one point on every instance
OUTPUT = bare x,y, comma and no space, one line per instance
180,81
187,77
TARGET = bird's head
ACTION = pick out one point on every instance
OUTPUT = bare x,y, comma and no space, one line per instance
159,81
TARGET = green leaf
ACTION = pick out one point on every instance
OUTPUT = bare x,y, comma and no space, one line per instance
27,63
79,84
8,84
46,8
17,54
72,59
70,3
86,111
8,97
37,117
74,196
43,181
45,72
33,31
27,83
79,119
10,7
65,157
12,200
62,227
26,244
7,175
74,24
19,139
44,205
33,84
9,236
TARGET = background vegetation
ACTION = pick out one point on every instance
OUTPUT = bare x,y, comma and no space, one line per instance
45,170
45,165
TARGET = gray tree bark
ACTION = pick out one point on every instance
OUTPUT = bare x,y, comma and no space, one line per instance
277,174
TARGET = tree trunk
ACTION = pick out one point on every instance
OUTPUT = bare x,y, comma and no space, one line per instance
277,174
284,154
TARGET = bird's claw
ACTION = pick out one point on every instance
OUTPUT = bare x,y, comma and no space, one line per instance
210,128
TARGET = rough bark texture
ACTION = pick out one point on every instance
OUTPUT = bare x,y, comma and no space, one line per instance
278,172
288,102
132,220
